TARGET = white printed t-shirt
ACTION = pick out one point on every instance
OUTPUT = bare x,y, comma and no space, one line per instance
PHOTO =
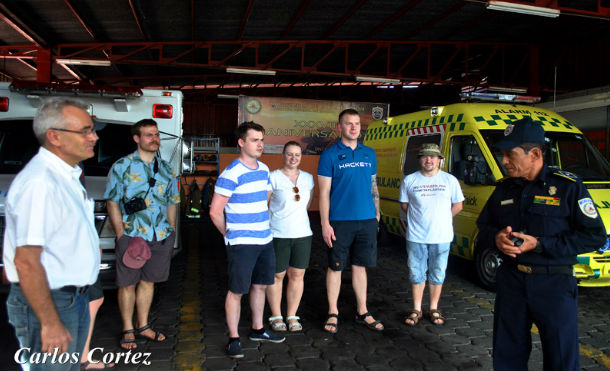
289,217
246,212
429,218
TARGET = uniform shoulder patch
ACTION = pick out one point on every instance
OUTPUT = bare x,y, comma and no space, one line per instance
566,175
587,207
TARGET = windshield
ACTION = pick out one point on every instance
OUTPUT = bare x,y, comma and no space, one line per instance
566,151
18,145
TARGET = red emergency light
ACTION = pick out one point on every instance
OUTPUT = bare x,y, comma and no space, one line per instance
163,111
3,104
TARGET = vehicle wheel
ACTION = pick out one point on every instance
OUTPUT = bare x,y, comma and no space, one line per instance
487,260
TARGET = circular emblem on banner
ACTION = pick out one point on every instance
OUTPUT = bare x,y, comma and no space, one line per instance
508,130
253,106
377,113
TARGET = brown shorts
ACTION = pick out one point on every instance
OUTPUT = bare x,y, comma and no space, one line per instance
156,268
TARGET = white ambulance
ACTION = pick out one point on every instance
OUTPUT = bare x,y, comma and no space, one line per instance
114,111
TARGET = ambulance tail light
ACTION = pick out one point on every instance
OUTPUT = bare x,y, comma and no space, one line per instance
3,104
163,111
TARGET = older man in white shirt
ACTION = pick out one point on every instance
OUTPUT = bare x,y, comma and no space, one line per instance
51,247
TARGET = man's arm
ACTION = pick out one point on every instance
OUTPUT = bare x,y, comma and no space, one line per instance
404,206
35,287
456,208
375,192
116,218
172,211
328,234
217,212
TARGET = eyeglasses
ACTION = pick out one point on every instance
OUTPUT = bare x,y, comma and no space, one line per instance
84,132
297,196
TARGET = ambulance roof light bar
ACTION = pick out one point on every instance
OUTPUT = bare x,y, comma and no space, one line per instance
507,6
497,97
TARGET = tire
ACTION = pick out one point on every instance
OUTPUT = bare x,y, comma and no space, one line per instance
487,261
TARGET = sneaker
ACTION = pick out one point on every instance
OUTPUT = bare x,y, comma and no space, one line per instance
234,350
267,336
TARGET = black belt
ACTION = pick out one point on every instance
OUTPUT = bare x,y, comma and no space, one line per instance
544,269
70,289
79,290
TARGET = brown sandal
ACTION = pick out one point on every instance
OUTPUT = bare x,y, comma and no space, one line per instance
436,316
414,316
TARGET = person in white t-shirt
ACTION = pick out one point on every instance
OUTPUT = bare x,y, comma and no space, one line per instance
292,195
431,198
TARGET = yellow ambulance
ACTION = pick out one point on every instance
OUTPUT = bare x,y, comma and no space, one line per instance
466,133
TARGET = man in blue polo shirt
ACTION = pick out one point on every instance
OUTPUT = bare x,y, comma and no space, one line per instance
349,212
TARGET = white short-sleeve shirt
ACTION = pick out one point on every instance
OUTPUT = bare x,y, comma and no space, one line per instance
429,218
47,206
289,217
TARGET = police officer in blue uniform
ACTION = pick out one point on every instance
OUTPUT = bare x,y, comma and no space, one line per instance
540,219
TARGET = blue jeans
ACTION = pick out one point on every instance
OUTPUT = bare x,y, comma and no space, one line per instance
430,258
73,312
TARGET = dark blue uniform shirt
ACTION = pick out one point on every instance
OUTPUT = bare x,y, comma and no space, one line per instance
556,208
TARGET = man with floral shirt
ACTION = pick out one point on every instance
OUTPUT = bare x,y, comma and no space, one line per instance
142,197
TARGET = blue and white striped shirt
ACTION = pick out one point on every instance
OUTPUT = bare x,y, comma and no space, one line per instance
246,212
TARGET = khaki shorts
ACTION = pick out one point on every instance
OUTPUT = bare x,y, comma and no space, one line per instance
156,268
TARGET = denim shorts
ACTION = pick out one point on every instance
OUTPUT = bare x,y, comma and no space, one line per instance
293,252
73,312
430,258
250,264
355,237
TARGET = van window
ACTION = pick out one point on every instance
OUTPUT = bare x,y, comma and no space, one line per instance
467,161
18,145
414,144
566,151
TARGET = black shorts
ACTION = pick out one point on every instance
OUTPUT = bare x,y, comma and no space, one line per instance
96,290
156,268
357,238
250,264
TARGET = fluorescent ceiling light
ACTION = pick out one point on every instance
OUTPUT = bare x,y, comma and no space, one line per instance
383,80
85,62
501,89
248,71
522,8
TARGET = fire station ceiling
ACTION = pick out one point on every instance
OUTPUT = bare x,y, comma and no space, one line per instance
245,44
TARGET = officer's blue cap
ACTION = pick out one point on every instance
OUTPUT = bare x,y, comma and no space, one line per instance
519,132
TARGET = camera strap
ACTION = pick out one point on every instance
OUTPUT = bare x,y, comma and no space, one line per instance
152,181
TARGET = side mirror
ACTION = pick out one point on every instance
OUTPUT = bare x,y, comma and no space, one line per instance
187,157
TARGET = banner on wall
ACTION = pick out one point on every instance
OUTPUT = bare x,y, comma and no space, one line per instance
312,123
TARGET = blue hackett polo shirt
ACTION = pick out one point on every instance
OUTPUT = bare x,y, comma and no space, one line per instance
351,172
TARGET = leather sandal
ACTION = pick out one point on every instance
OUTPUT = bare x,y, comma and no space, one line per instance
144,328
414,316
330,324
124,341
277,323
436,317
360,318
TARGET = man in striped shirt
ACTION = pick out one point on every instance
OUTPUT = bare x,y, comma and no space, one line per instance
239,211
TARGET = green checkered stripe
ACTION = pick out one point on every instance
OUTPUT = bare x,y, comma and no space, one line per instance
494,120
399,130
392,224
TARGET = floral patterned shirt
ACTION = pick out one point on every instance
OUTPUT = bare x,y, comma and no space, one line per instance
128,178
